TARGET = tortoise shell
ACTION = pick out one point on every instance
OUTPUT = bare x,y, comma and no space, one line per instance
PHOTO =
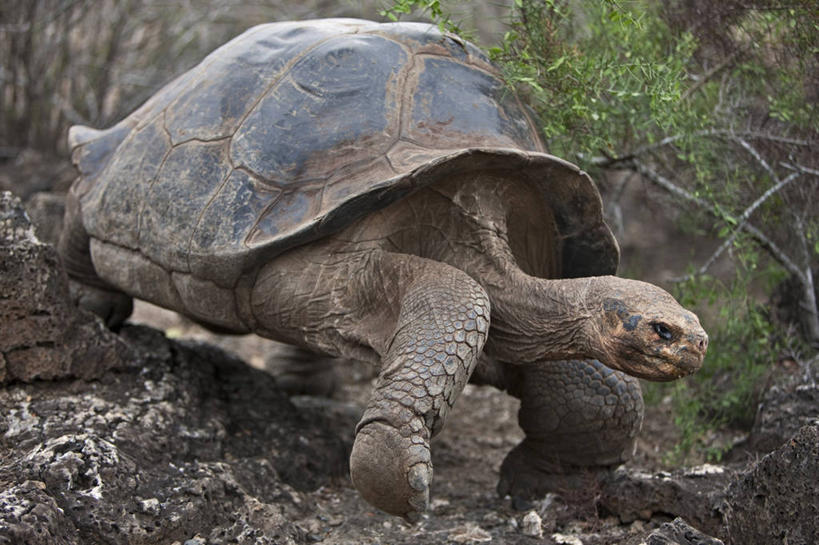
292,131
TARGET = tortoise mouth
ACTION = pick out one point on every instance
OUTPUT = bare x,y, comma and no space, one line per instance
661,368
657,362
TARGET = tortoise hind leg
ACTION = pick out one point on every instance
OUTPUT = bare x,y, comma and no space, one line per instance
88,290
441,328
302,372
580,417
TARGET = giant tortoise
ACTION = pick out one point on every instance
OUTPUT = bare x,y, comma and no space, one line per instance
375,191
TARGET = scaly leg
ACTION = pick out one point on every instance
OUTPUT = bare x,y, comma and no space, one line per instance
441,328
580,417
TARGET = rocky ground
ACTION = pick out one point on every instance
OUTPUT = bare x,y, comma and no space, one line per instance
142,437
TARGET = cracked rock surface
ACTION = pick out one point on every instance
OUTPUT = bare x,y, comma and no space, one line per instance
777,500
185,441
679,532
44,336
785,408
137,439
695,494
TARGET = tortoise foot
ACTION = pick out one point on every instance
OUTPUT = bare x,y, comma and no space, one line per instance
391,471
527,475
301,372
114,307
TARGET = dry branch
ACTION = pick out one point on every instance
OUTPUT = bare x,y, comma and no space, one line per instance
803,275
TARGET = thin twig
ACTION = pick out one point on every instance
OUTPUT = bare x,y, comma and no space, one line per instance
765,196
742,220
766,243
711,73
759,159
808,302
710,261
727,133
800,168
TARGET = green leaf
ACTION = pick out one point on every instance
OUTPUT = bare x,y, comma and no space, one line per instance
557,64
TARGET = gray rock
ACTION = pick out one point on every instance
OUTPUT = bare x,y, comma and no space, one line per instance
32,517
679,532
532,525
784,409
695,494
44,336
777,500
184,442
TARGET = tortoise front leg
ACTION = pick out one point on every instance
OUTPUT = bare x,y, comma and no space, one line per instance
441,328
580,418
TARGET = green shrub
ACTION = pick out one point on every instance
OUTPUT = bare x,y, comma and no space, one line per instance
744,343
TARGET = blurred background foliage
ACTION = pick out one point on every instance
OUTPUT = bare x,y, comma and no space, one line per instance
707,111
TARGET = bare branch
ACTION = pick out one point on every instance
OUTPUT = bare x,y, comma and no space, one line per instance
668,140
756,135
728,61
765,196
800,168
742,221
710,261
808,302
759,159
766,243
670,186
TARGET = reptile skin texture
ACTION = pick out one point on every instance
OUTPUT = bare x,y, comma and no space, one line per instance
441,329
578,415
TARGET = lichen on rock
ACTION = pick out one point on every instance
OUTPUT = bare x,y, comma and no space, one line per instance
184,440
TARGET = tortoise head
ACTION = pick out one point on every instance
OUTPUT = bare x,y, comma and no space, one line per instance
646,333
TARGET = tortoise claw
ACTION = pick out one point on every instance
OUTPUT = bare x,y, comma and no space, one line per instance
391,471
113,307
525,475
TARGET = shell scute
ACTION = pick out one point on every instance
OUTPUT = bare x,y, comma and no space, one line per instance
422,38
158,103
189,178
335,106
230,216
210,107
128,175
294,209
454,103
213,108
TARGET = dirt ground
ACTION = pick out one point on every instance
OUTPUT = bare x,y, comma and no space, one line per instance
467,456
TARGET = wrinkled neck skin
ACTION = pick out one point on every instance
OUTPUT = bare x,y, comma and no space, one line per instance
536,319
628,325
494,228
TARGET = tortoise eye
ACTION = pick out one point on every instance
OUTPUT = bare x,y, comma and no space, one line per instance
662,331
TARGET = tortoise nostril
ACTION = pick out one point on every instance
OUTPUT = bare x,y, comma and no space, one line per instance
702,343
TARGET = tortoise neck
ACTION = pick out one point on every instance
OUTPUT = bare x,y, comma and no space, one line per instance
537,319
